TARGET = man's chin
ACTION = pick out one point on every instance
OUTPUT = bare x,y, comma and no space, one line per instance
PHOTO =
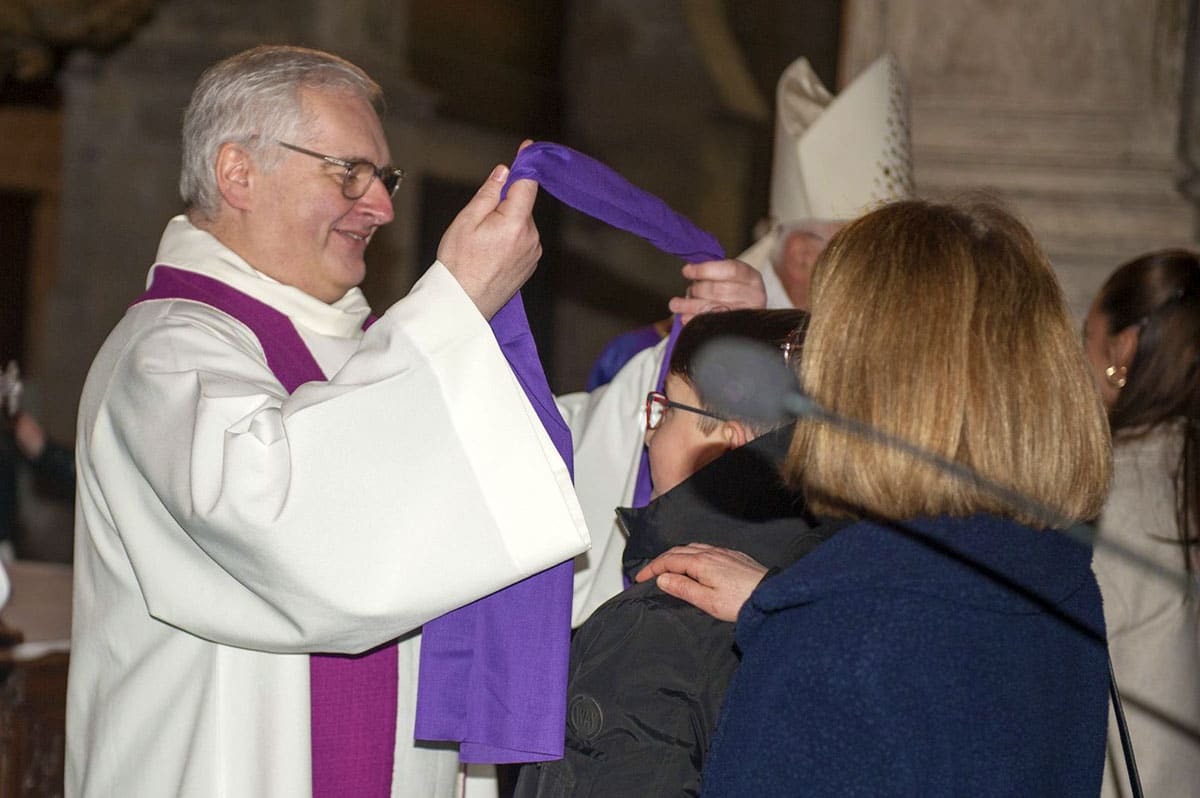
351,274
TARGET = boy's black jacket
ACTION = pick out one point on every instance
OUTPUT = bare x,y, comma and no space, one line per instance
648,671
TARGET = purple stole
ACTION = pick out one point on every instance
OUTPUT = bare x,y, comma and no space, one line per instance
593,188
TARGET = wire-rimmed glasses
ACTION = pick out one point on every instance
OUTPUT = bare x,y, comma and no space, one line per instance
359,174
657,405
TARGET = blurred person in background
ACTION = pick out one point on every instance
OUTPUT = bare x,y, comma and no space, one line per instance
25,444
1143,342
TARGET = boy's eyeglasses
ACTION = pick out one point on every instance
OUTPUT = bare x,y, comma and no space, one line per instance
657,405
359,174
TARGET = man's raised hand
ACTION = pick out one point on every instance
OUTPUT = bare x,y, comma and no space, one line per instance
492,247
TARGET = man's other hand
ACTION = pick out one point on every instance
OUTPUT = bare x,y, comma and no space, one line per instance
720,285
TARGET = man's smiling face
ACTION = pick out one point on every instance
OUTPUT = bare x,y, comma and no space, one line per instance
316,238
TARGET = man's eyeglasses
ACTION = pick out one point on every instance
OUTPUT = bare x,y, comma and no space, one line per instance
359,174
657,405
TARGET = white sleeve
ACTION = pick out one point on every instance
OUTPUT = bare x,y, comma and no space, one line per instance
414,481
607,428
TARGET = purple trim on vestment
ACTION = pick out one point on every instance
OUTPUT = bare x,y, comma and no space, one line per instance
493,674
643,487
353,698
593,188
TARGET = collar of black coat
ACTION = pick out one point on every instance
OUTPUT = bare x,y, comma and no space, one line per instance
738,501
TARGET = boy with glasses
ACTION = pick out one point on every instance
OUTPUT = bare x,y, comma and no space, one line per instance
648,671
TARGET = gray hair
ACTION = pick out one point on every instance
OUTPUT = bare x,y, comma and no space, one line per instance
253,99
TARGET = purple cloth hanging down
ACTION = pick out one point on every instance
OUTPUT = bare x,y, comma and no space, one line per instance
353,698
593,188
458,697
494,673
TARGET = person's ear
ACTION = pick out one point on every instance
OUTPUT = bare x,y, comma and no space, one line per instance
235,175
1123,346
735,434
797,257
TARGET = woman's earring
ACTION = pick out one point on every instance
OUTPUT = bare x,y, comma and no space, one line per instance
1116,376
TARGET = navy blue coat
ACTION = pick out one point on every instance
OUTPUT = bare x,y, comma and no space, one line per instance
950,657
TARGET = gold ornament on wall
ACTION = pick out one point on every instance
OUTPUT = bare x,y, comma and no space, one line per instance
33,33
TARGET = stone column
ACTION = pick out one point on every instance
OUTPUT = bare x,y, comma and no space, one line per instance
1069,111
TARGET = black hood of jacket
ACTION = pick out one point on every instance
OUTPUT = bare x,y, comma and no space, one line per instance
738,501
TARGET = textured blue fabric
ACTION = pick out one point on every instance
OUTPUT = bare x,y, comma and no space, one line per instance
947,657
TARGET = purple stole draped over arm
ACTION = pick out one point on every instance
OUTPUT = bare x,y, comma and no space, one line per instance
498,664
593,188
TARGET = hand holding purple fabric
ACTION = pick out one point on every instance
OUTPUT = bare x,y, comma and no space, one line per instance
492,247
593,188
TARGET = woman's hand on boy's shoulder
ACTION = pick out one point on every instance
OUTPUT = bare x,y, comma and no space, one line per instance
717,581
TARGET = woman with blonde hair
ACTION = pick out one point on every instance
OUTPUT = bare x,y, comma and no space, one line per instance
1143,342
946,643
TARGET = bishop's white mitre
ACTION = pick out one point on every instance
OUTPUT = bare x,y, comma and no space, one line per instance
835,158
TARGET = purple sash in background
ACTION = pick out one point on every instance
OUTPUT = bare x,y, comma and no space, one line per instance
593,188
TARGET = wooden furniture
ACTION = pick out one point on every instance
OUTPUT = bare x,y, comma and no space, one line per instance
33,680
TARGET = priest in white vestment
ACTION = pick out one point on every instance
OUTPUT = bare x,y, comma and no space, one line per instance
227,529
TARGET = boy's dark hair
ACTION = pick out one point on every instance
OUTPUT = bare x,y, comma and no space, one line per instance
772,327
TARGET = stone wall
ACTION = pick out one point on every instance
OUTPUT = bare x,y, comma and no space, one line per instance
1069,111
